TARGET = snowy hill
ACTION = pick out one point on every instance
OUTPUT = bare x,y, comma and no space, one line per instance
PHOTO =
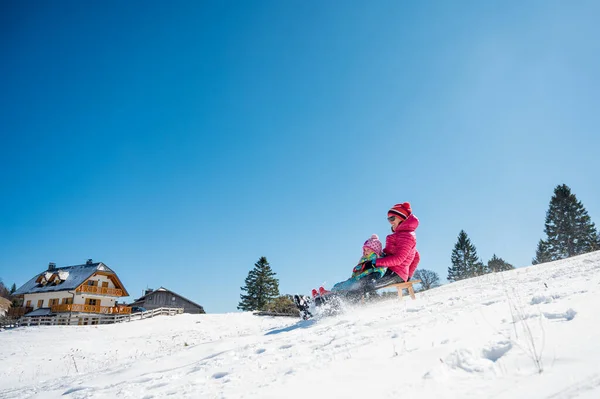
478,338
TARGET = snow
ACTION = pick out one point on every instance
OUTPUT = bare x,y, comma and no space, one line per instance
63,275
478,338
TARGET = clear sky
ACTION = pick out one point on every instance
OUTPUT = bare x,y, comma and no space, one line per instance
178,142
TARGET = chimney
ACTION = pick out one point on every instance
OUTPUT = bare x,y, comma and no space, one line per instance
148,290
89,262
51,266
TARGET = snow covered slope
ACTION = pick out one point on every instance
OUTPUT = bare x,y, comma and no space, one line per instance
480,338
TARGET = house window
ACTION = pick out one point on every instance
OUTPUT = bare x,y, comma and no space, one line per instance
92,283
53,301
173,298
28,304
67,301
40,303
105,284
92,302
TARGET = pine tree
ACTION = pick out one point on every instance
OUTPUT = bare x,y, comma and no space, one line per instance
13,288
568,226
465,262
542,253
498,265
429,279
261,287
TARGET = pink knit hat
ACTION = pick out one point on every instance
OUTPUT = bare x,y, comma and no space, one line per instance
373,244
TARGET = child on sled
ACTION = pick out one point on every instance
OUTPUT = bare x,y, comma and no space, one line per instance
371,251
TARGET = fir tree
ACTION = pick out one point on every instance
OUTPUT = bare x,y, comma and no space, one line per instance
261,287
429,279
498,265
465,262
568,226
13,288
542,253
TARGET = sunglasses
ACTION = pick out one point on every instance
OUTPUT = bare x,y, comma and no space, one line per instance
392,218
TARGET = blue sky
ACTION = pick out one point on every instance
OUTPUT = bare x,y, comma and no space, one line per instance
178,143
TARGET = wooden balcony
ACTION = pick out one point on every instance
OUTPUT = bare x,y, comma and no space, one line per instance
19,311
92,289
91,309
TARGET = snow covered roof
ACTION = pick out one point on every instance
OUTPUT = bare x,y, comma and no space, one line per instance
67,278
39,312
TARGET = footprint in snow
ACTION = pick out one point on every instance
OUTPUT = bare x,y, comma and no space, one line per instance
259,351
285,346
160,385
219,375
567,315
72,390
540,299
496,350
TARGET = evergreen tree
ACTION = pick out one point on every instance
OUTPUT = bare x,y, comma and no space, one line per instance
429,279
498,265
13,288
542,253
465,262
568,226
261,287
479,269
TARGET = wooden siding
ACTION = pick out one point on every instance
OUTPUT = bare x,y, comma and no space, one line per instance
93,289
160,299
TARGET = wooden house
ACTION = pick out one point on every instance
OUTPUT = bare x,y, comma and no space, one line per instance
89,288
164,298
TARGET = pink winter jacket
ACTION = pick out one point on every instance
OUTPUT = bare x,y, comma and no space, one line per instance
401,255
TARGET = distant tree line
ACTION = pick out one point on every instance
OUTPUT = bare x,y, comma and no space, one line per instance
569,232
466,262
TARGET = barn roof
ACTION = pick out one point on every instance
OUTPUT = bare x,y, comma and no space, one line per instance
163,289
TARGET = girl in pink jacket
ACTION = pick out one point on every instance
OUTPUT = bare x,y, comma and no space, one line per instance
400,253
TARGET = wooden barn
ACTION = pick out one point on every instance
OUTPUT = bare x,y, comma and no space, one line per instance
164,298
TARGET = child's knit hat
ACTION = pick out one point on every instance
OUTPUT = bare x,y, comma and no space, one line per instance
374,244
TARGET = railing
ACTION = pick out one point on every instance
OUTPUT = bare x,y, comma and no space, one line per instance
158,312
70,319
91,309
93,289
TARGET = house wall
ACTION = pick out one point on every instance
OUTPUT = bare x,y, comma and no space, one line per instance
79,298
101,279
164,299
46,296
